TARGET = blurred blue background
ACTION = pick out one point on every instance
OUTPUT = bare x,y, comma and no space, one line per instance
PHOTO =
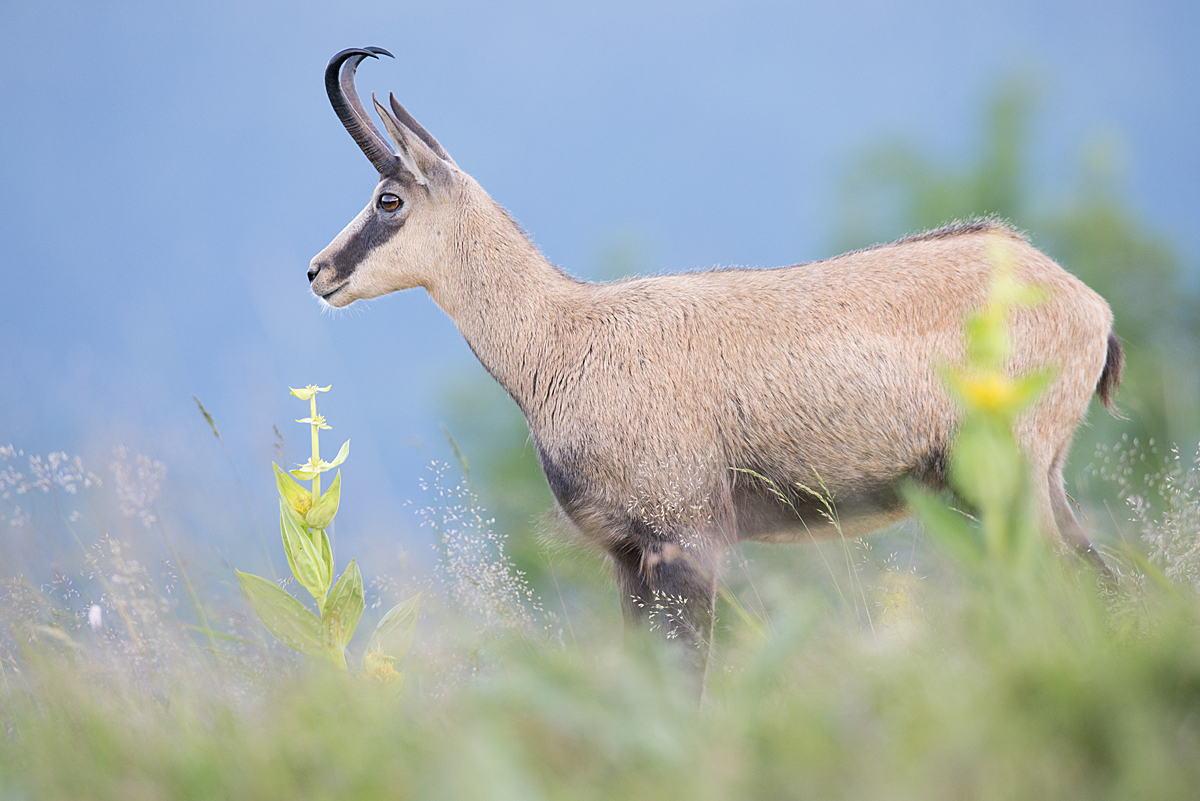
168,171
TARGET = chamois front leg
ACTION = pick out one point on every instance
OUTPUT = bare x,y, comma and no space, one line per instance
671,587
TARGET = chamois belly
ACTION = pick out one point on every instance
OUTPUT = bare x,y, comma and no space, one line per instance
784,514
608,500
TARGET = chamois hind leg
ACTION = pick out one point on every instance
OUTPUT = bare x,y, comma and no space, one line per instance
1069,530
1045,437
672,587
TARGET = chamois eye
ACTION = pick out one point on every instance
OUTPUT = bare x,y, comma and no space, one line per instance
389,202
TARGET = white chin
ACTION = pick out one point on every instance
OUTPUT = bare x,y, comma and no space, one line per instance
338,298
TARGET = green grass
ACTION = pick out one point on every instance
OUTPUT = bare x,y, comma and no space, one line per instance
971,681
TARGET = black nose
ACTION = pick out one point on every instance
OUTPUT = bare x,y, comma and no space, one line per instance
312,273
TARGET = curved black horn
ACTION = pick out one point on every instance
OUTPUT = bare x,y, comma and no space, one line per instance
349,108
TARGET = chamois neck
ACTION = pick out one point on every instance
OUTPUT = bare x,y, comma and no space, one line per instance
507,300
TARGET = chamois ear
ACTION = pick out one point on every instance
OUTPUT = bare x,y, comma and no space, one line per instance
409,122
416,156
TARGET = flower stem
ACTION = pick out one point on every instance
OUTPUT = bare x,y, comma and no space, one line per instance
316,447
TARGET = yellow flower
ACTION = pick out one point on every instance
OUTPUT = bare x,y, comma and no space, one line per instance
379,666
305,471
992,391
301,504
995,392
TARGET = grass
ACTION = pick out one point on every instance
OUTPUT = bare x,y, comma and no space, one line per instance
1031,684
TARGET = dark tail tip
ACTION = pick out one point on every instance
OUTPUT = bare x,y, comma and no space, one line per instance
1110,379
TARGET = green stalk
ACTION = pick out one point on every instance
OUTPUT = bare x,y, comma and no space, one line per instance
262,538
316,447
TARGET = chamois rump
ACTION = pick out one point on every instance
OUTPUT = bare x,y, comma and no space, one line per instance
648,398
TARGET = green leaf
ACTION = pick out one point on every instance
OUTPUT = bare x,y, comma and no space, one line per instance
341,457
285,617
297,496
291,544
306,561
943,524
221,635
1031,386
986,468
344,606
987,341
323,546
393,635
322,512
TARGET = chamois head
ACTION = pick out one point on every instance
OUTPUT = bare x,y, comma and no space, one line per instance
416,192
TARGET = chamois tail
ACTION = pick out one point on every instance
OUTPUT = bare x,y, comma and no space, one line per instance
1110,378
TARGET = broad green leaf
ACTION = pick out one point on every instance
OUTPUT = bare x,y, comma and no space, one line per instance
344,606
322,512
393,635
298,498
306,561
291,545
292,530
341,457
284,616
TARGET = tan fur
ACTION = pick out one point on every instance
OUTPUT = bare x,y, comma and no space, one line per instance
648,398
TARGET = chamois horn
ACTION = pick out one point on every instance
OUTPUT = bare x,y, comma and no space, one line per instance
339,85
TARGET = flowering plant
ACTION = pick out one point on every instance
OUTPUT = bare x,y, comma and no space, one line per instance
304,515
987,469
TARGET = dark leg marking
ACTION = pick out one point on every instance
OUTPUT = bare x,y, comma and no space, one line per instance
665,585
932,468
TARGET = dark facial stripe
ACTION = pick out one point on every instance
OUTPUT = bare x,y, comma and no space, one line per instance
371,236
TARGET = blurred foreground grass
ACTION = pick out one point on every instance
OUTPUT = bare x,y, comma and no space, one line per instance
992,667
962,688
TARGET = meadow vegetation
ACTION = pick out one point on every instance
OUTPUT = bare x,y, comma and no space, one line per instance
970,660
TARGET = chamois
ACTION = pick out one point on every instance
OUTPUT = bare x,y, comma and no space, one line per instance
658,405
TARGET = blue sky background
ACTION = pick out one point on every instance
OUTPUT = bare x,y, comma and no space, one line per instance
169,169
